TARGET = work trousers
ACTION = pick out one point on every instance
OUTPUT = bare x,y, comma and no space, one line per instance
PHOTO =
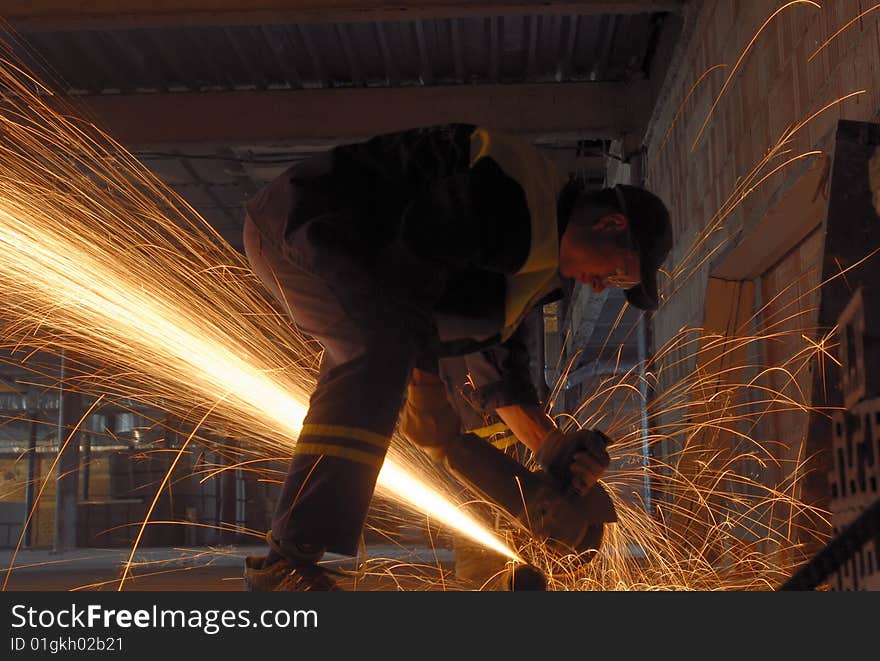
370,348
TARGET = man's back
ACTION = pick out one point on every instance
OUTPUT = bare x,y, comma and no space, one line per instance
415,211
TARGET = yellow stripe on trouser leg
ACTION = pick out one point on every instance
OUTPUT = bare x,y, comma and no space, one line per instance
340,452
339,431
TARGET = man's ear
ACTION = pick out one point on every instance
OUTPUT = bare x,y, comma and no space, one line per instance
612,222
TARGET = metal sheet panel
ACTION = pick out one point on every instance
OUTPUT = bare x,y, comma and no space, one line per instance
514,49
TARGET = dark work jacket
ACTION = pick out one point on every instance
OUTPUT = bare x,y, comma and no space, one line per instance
407,213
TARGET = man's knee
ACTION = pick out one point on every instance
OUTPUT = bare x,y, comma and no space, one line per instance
428,420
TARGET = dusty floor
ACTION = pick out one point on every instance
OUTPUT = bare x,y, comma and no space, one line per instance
211,568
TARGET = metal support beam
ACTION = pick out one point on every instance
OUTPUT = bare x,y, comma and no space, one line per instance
88,438
587,309
70,410
52,15
33,409
576,110
228,493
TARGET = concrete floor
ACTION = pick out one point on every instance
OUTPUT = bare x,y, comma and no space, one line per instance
208,568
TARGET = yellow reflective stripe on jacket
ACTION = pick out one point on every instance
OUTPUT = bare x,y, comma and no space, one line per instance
350,454
541,182
493,430
486,432
339,431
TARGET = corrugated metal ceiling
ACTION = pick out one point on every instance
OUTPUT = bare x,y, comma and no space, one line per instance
511,49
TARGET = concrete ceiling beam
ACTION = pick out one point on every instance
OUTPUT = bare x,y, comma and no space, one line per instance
575,111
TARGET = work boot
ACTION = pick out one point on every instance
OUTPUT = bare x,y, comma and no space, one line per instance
278,571
282,575
308,578
260,577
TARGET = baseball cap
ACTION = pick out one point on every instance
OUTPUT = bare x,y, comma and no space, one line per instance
651,233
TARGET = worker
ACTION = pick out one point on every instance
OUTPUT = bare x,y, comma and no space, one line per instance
402,251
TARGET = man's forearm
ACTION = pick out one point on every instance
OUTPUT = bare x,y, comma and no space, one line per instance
576,460
528,423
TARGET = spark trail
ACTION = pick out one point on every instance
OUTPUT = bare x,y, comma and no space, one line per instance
100,258
726,506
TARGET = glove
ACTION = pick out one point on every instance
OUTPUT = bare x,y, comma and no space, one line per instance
576,460
427,419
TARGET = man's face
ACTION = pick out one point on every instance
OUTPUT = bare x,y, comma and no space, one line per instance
599,255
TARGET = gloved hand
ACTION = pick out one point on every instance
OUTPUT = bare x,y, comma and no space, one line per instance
575,459
427,419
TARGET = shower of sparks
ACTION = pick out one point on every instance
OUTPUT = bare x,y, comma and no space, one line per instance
129,258
685,267
99,258
716,524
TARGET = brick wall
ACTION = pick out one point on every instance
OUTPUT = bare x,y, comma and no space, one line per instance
776,85
773,87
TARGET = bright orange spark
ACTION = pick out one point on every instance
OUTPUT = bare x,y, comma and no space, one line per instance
743,57
842,30
678,112
98,255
